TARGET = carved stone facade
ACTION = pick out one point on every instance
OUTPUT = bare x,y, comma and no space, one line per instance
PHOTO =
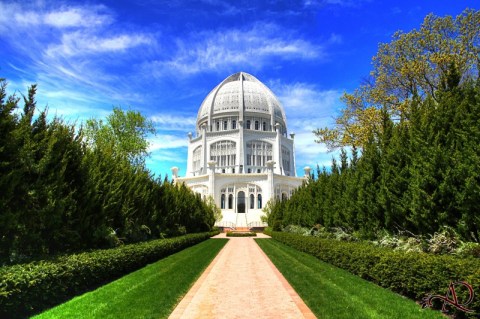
241,154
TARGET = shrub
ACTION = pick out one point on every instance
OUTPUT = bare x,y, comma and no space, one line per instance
237,234
469,249
30,288
268,231
413,274
295,229
444,242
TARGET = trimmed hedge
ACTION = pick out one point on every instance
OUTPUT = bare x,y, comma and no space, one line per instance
31,288
411,274
243,234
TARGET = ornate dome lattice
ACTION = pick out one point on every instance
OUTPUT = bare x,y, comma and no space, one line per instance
240,93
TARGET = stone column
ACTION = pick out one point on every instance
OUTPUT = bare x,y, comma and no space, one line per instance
203,163
211,178
240,149
294,165
277,151
270,168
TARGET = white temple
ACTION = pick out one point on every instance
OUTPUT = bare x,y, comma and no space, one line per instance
241,154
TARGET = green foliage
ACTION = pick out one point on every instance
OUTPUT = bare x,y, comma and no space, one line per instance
267,231
439,55
241,234
295,229
150,292
411,274
331,292
123,135
29,288
416,175
64,189
416,122
217,212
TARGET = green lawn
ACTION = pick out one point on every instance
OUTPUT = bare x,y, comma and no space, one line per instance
151,292
331,292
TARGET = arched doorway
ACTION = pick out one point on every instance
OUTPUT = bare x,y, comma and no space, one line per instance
241,202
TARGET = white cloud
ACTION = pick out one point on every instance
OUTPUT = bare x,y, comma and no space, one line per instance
66,17
76,17
166,141
307,108
171,156
335,39
219,50
174,122
27,18
79,43
167,151
70,48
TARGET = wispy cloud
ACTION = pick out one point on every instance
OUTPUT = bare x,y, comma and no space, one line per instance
307,108
68,50
255,47
172,155
80,43
66,17
76,17
166,141
341,3
174,122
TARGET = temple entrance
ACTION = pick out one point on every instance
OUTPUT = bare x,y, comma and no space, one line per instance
241,202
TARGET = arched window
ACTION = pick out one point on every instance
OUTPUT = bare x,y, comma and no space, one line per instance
258,154
218,126
241,202
222,202
197,155
257,125
224,154
252,201
264,126
248,124
234,124
230,201
259,204
284,196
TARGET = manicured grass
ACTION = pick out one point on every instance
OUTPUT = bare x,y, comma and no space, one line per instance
151,292
331,292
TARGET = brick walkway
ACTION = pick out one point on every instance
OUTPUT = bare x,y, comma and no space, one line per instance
241,282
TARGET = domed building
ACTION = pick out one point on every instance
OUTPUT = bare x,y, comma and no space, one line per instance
241,154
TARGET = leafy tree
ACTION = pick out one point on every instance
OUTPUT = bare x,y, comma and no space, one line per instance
123,135
217,212
412,65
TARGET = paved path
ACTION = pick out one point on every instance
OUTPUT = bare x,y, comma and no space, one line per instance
241,282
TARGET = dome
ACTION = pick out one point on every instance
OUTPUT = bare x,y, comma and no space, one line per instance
239,94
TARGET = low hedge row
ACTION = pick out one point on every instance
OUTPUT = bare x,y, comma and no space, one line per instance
241,234
30,288
411,274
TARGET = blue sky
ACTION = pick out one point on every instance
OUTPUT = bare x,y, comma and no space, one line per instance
163,57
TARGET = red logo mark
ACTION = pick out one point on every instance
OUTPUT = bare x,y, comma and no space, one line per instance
451,299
